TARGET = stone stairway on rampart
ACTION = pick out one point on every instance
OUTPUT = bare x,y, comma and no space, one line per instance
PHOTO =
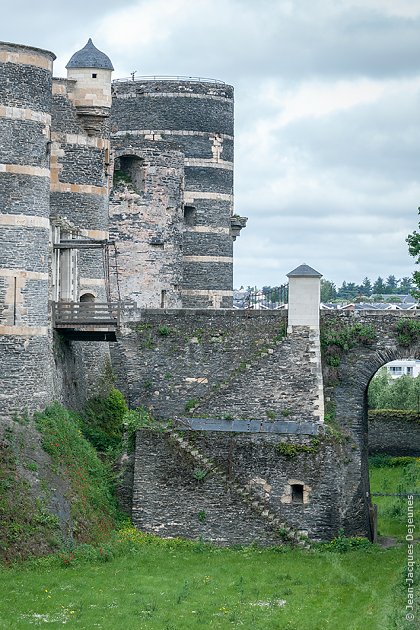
246,494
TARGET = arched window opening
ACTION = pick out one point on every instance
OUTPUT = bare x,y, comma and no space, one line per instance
130,170
87,297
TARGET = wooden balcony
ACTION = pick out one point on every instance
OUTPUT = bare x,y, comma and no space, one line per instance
87,321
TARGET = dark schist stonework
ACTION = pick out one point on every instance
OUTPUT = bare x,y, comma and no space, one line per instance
172,497
394,435
197,119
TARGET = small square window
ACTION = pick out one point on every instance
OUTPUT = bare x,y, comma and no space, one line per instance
94,75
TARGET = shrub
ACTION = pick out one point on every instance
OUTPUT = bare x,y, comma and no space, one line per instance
335,341
386,461
408,331
102,420
343,544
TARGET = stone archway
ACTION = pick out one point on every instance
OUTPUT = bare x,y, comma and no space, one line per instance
345,389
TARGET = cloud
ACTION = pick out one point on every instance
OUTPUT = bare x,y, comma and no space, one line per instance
327,101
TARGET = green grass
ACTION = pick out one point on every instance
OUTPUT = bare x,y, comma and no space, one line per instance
388,479
160,585
138,581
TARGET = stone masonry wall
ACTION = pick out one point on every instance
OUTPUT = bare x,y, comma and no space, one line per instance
229,362
346,386
197,119
147,223
172,498
25,336
394,435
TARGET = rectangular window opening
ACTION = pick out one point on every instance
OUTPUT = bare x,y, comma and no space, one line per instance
297,493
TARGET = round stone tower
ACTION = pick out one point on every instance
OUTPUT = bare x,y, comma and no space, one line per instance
25,334
196,118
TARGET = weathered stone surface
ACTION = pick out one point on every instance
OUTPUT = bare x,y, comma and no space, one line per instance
394,435
197,119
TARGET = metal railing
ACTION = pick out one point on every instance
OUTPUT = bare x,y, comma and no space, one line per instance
269,299
168,78
86,313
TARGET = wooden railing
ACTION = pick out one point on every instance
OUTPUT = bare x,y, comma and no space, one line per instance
86,313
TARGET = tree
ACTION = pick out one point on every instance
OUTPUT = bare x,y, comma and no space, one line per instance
378,286
328,290
366,287
391,284
400,393
405,285
413,241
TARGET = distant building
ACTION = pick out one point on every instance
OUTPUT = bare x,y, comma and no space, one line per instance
403,367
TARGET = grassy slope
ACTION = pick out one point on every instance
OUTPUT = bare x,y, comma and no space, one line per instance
174,588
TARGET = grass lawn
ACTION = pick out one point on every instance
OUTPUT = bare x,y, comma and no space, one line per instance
392,511
142,582
164,587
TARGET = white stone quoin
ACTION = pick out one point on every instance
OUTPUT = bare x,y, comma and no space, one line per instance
304,297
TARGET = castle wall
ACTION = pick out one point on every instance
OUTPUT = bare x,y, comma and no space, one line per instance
80,155
172,498
218,357
79,182
146,221
25,333
196,118
394,433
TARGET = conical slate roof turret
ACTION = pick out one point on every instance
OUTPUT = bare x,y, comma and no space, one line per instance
304,271
90,57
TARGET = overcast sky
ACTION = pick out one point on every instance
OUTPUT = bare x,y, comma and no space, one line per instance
327,102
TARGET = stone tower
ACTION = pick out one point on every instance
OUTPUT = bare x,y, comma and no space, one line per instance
25,333
80,159
194,118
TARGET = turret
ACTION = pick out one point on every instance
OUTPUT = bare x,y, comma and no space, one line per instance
91,70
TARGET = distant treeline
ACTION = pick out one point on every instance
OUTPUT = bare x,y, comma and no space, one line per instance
350,291
367,289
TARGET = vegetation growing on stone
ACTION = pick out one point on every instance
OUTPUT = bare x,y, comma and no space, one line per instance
338,339
408,331
383,415
26,526
191,403
102,420
93,508
292,450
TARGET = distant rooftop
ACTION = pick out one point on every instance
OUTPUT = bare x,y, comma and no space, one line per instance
90,57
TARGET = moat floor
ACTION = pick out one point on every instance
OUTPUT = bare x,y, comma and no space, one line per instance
179,587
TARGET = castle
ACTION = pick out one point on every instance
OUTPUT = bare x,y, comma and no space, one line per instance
118,196
109,192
